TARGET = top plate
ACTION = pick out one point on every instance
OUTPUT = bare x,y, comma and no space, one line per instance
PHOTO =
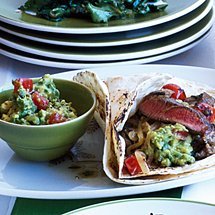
113,39
175,9
85,178
147,206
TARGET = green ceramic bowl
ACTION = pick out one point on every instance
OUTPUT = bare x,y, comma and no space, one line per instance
47,142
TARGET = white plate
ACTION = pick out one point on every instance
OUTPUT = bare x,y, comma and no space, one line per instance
68,180
147,206
126,52
113,39
49,62
174,10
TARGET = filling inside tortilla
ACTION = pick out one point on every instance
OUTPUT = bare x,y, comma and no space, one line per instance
169,130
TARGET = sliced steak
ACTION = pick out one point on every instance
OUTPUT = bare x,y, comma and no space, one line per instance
206,151
202,98
203,147
159,107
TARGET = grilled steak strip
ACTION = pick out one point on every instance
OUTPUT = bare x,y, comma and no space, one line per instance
202,98
159,107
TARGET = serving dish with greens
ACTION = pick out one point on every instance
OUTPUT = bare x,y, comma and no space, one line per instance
23,13
98,11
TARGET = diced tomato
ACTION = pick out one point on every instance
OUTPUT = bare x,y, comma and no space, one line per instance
207,110
56,118
132,165
40,101
178,92
27,83
182,135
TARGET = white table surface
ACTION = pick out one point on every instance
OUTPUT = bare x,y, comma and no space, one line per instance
202,55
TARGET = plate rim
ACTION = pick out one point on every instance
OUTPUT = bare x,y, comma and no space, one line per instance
141,199
80,65
120,56
122,190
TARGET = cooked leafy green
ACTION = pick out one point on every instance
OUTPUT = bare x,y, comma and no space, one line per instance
99,11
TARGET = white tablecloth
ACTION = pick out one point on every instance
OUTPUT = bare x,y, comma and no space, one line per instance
202,55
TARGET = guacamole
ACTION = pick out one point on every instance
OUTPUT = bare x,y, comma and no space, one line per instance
36,103
171,146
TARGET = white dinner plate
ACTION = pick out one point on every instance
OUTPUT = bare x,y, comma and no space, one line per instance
175,9
147,206
114,53
83,176
50,62
113,39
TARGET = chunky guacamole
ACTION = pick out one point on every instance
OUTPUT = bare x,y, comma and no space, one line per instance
36,103
172,146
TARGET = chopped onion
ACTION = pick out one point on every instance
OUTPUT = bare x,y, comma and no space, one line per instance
141,159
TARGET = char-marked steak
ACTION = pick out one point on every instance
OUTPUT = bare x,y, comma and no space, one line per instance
159,107
202,98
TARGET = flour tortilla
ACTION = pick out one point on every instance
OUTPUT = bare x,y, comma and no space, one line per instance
125,110
93,82
118,100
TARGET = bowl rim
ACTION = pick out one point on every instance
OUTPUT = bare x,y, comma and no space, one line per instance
93,106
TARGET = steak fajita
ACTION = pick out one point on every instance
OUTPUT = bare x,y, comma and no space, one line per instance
155,126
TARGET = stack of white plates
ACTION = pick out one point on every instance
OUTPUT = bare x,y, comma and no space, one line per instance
77,43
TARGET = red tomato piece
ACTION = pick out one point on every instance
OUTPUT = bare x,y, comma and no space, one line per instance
27,83
182,135
132,165
178,92
40,101
56,118
207,110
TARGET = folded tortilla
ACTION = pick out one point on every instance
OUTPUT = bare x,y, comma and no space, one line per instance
118,100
